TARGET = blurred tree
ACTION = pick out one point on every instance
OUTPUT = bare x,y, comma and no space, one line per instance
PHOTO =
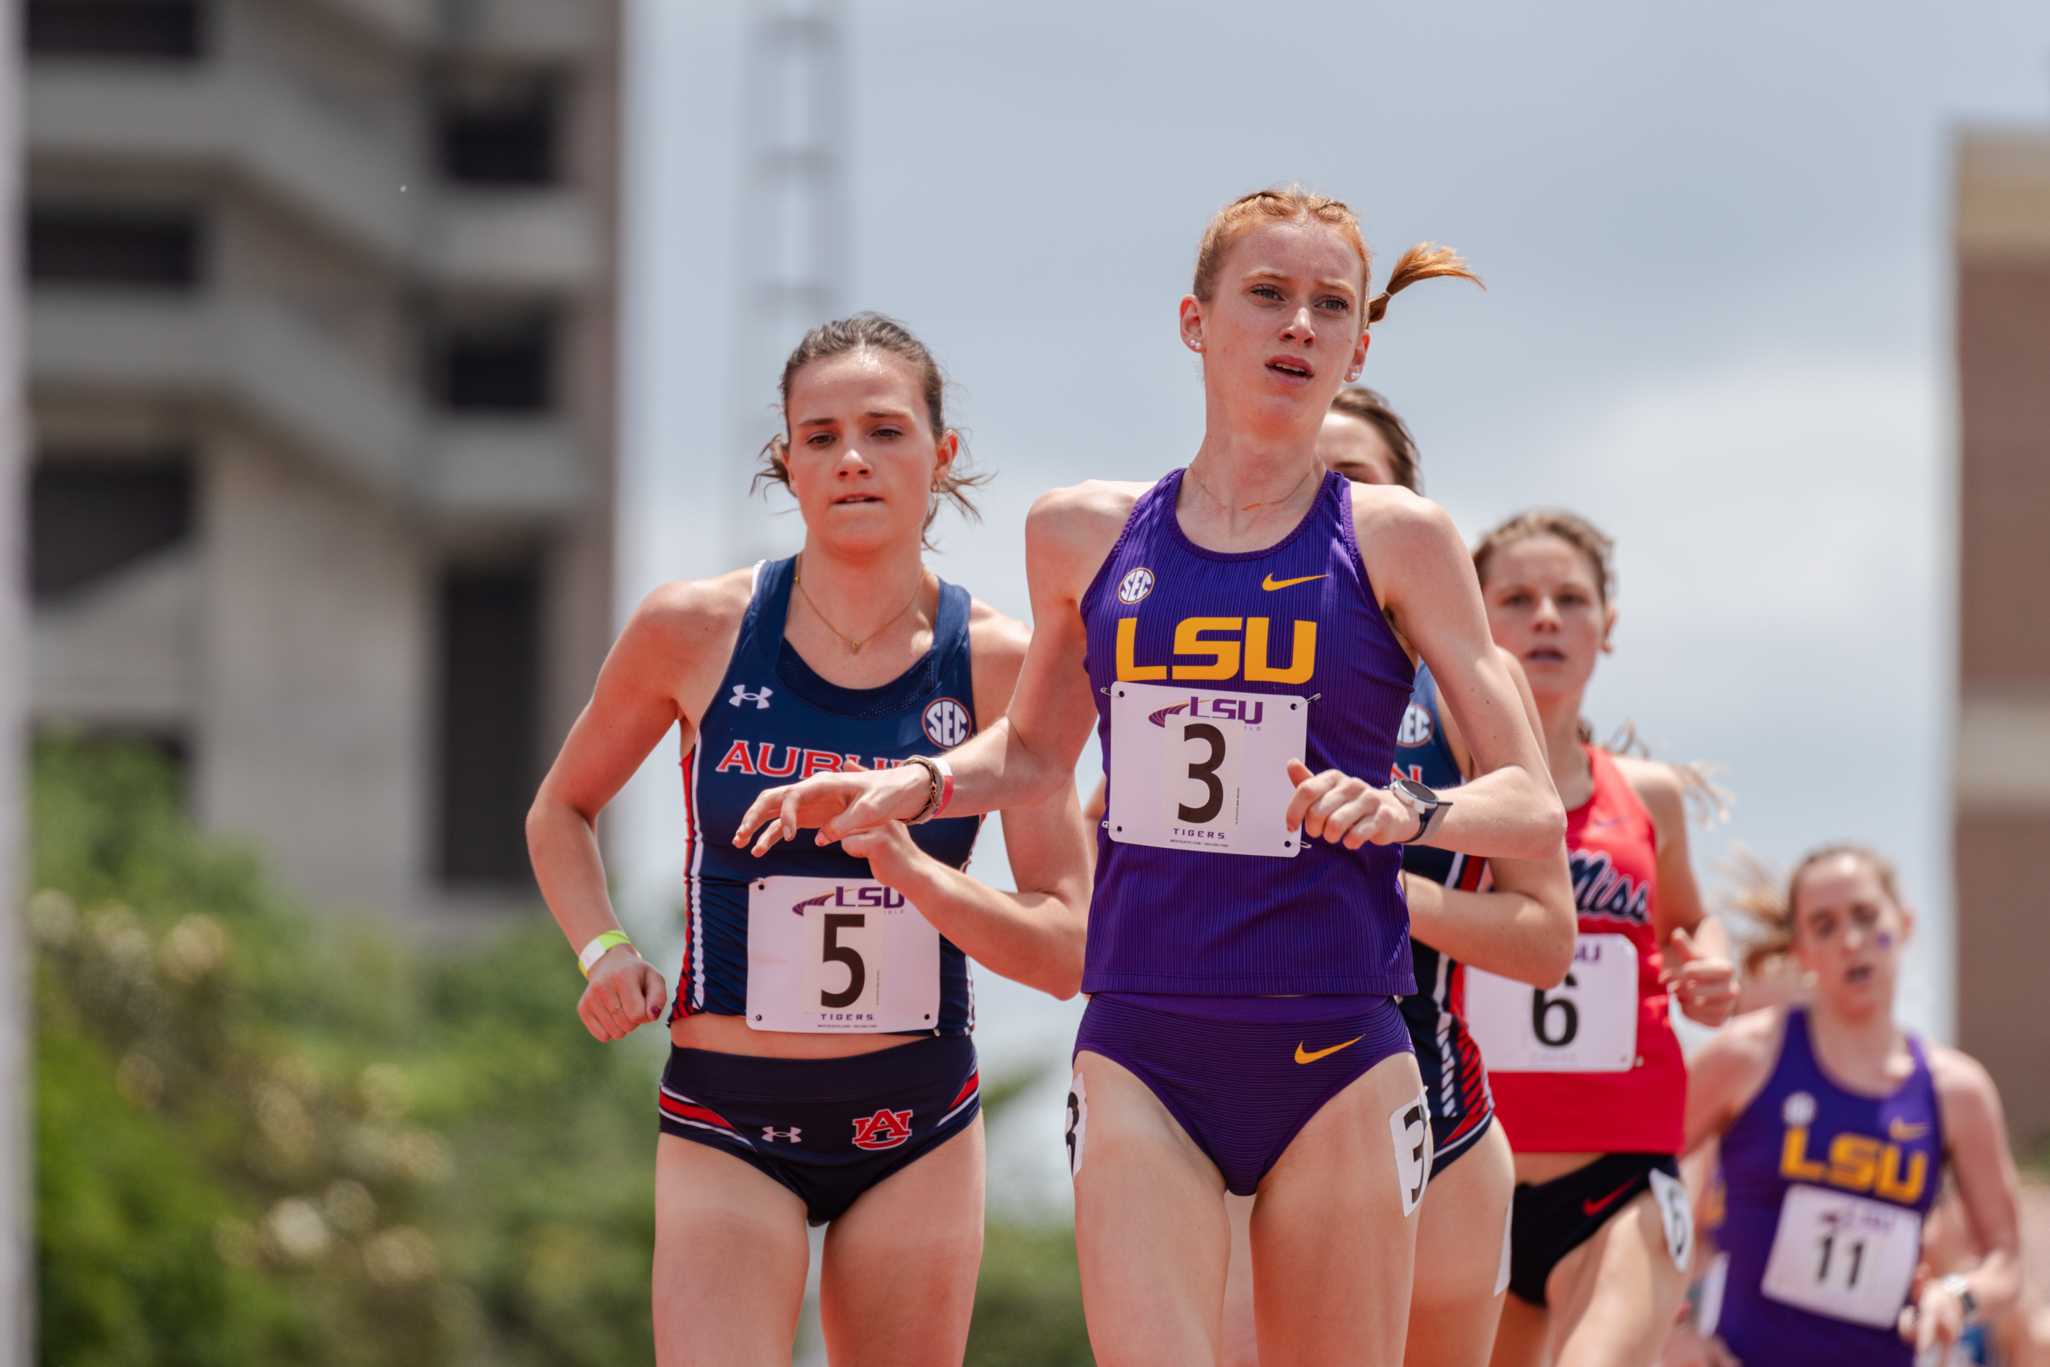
267,1137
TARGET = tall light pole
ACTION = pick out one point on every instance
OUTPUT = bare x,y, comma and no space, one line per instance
17,1303
791,236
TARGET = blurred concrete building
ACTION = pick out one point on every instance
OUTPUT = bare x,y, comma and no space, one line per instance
321,365
2002,818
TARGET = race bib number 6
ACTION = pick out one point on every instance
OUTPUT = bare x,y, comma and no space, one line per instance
832,955
1587,1024
1197,770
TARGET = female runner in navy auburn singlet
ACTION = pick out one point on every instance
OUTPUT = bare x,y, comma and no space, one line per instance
1588,1078
1835,1127
1224,631
820,1069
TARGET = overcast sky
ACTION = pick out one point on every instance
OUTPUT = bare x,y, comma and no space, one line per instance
1716,241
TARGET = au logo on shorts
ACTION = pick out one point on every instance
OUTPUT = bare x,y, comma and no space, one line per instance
1134,587
946,722
886,1129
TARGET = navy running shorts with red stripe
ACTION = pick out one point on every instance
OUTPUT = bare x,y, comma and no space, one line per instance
828,1129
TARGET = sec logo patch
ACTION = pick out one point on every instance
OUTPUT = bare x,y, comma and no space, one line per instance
946,722
1134,587
1416,728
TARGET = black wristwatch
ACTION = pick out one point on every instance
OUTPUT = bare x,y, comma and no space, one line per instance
1427,805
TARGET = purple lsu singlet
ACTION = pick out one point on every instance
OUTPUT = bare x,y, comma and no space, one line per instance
1825,1194
1212,669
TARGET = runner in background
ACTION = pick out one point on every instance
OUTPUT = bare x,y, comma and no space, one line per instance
1836,1128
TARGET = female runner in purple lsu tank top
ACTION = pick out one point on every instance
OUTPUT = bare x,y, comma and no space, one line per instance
1226,632
1835,1126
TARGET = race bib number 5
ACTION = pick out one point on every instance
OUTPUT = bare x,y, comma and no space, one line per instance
1587,1024
1196,770
827,955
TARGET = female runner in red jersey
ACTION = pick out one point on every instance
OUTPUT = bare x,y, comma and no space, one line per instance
1588,1077
820,1069
1246,935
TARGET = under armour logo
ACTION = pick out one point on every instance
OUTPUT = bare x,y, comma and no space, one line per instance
741,695
791,1135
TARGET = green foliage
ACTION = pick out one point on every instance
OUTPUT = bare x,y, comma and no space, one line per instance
265,1136
1028,1304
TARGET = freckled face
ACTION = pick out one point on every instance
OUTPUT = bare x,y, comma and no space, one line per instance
1356,449
1544,606
1849,934
862,456
1283,327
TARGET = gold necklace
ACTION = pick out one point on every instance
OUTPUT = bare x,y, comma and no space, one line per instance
1263,503
853,646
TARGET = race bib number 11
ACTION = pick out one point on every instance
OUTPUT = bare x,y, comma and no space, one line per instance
1195,770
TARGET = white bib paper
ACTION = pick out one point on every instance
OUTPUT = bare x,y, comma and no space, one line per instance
1845,1256
826,955
1587,1024
1199,770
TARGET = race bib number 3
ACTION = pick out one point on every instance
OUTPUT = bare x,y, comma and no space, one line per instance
1587,1024
826,955
1848,1257
1194,770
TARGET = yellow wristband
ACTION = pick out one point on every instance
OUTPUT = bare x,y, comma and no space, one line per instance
599,946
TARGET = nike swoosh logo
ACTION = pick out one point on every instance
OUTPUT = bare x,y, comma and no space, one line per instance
1597,1207
1270,583
1900,1132
1303,1055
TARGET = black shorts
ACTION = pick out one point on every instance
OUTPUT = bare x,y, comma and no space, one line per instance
828,1129
1550,1220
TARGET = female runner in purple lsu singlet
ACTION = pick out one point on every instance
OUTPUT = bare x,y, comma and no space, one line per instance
1835,1126
821,1069
1227,631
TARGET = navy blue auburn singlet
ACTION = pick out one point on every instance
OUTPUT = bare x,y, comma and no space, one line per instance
1220,645
1455,1080
775,720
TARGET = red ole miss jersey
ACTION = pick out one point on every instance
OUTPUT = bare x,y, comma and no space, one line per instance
1599,1093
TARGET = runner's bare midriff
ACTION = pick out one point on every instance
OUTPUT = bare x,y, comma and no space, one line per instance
731,1035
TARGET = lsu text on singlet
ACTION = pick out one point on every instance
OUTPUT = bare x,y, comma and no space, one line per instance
1212,670
1826,1193
774,720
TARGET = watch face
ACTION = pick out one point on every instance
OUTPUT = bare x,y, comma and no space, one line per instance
1414,791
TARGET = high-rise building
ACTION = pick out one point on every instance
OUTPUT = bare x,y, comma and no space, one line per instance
321,360
2002,818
